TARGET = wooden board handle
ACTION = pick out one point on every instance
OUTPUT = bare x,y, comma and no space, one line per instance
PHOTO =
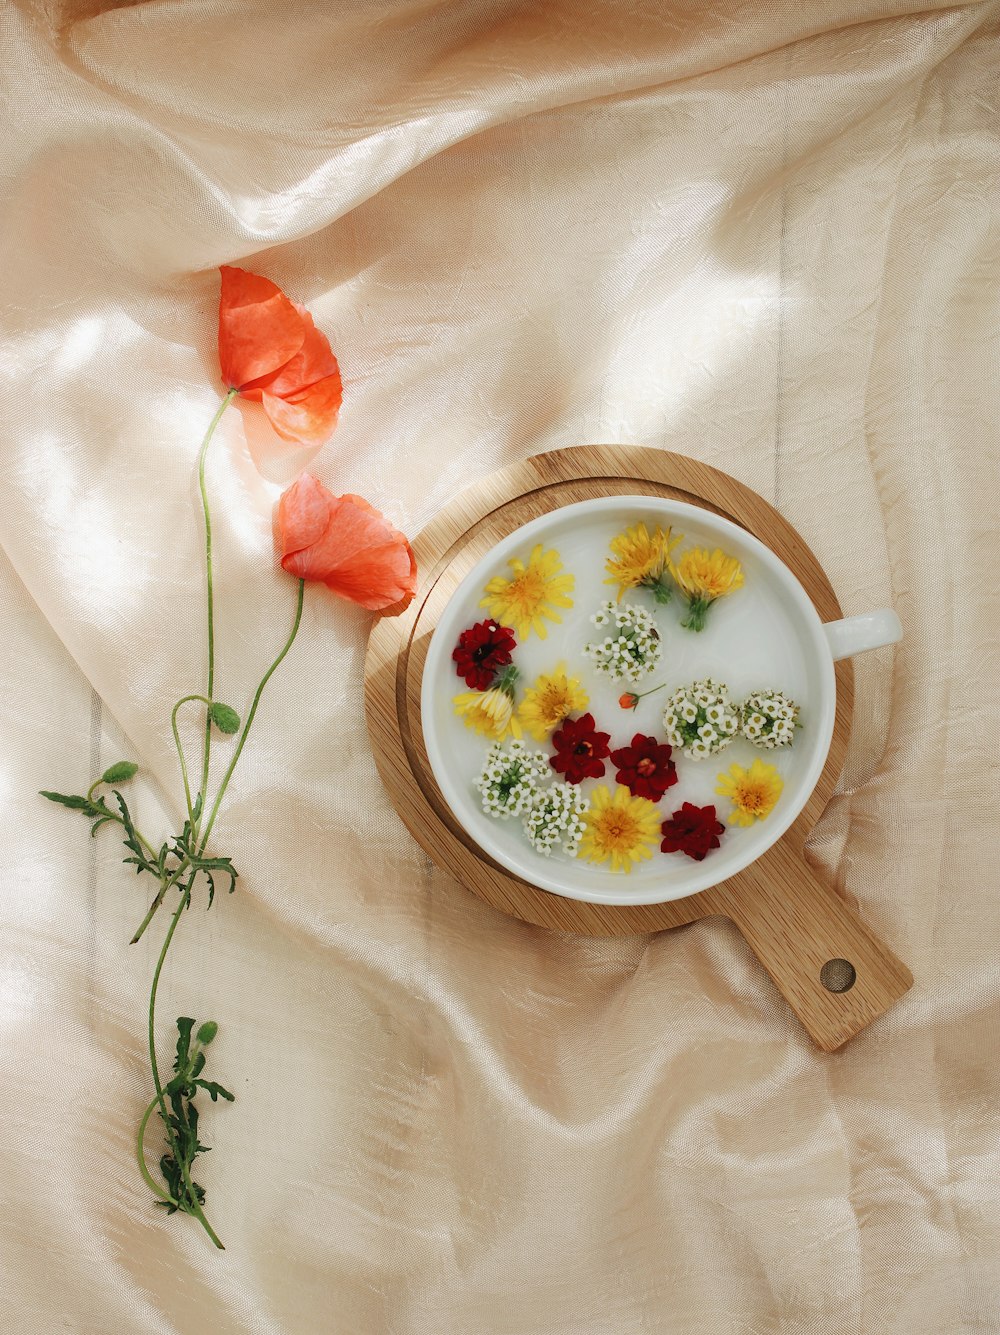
810,941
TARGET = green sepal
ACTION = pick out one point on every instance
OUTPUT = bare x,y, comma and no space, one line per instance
120,772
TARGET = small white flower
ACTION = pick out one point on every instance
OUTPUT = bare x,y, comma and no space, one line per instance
700,729
767,718
510,778
553,818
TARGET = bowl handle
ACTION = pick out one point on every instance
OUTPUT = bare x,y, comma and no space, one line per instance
870,630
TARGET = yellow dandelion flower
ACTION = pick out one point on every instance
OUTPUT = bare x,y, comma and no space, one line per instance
535,591
702,577
552,698
639,560
754,792
622,829
490,712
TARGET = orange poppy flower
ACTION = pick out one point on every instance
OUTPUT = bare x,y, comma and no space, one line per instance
270,350
344,543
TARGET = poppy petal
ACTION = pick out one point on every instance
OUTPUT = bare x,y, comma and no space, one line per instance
313,362
303,514
358,555
259,327
308,416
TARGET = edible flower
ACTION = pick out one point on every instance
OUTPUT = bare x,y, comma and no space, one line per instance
553,697
619,829
754,792
630,699
532,595
580,750
481,651
703,577
640,559
692,830
645,767
491,712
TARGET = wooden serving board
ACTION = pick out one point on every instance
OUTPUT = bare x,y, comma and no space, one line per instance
807,937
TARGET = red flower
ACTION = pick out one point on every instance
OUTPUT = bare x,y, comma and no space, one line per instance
345,543
270,350
692,830
481,650
580,749
645,767
629,700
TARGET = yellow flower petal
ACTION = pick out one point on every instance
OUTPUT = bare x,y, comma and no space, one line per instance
753,792
490,713
531,595
619,829
639,557
551,699
701,574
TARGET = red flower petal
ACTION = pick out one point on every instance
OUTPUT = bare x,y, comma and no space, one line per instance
481,651
259,328
313,362
580,749
645,767
357,553
303,514
692,830
309,415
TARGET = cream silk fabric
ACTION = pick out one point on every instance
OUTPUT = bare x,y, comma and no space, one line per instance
761,234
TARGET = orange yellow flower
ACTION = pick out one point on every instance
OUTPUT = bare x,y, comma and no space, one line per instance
553,697
640,560
532,595
703,577
619,829
754,792
489,712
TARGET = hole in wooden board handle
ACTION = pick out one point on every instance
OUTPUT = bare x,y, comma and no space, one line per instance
838,975
833,971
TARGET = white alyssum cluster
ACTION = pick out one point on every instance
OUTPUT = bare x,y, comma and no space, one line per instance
555,819
510,779
767,718
700,719
632,646
514,783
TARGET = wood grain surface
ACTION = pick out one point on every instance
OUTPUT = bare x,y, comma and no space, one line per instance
794,923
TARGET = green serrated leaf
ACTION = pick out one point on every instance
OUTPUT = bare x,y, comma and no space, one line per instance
74,803
184,1027
224,717
215,1091
120,772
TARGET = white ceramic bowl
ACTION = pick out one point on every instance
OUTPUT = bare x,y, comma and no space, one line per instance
766,634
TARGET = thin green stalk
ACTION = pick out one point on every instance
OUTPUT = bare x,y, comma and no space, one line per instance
158,900
180,751
193,1206
140,1154
249,721
208,581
